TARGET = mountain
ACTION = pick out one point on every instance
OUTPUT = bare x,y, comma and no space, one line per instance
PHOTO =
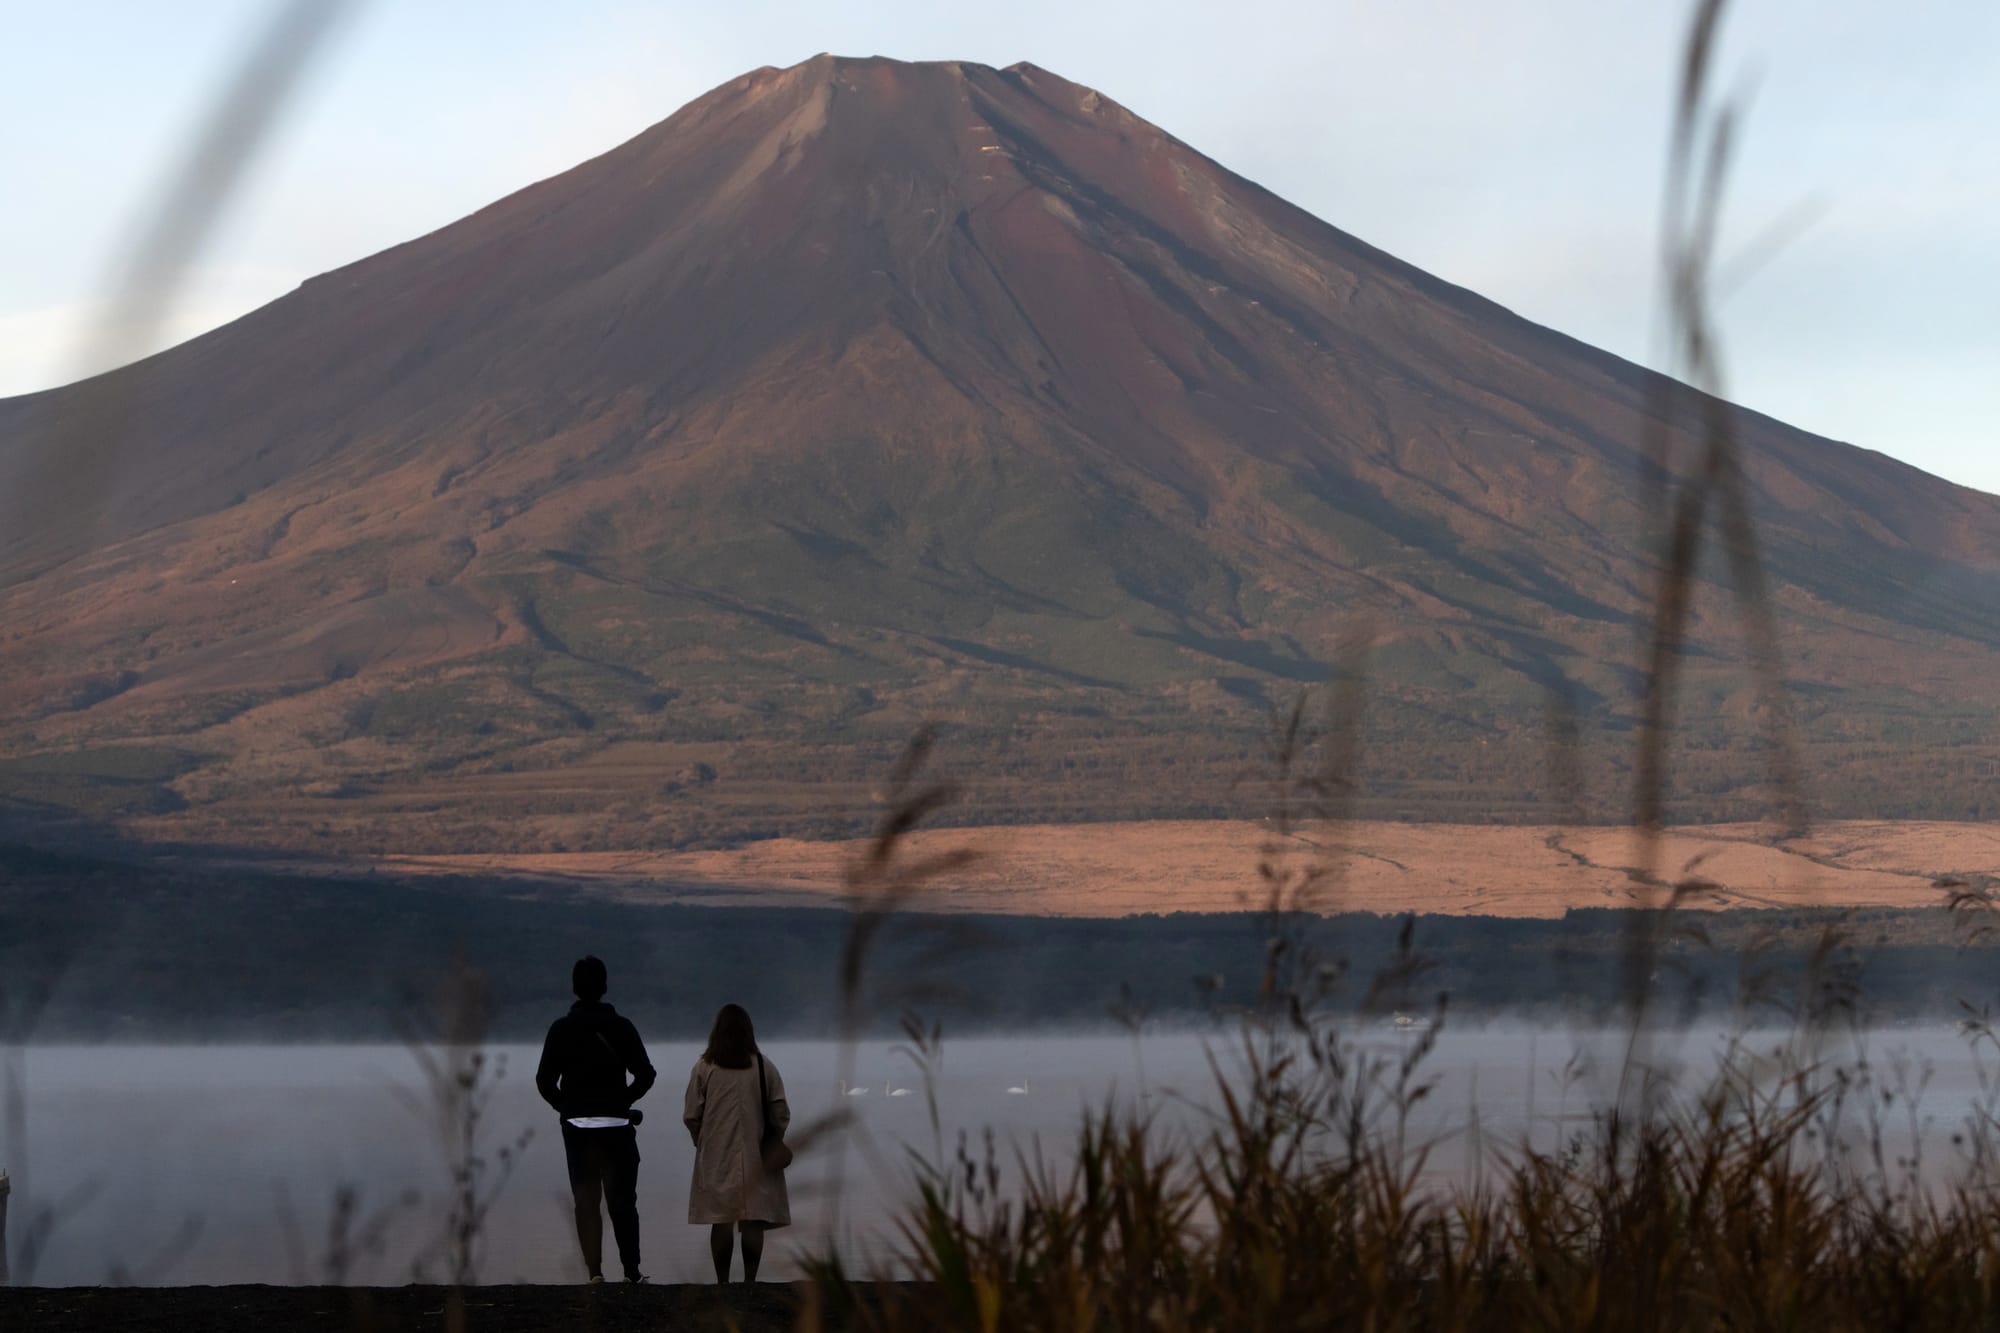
659,500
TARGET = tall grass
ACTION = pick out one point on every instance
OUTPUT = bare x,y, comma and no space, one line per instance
461,1074
1785,1190
1721,1210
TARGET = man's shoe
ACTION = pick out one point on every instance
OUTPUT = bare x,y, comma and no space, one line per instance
636,1278
597,1279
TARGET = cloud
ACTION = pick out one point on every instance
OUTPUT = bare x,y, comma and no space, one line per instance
43,347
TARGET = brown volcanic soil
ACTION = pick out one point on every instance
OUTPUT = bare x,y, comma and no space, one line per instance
1211,866
860,393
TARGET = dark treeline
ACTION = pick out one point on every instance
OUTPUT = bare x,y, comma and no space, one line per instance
97,949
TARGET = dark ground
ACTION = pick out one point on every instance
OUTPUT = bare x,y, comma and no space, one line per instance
100,948
766,1308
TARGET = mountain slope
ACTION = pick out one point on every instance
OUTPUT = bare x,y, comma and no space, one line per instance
862,392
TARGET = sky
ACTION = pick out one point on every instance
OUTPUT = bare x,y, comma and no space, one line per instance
1511,146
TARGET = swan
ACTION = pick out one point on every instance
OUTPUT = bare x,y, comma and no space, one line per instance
846,1091
1019,1091
894,1091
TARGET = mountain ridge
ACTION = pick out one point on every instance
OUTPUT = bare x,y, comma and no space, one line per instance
861,392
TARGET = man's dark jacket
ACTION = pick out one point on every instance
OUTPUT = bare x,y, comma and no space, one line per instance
588,1052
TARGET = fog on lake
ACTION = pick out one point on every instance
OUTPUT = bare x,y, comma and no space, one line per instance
176,1164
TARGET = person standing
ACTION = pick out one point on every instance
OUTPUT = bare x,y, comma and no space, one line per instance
585,1060
735,1102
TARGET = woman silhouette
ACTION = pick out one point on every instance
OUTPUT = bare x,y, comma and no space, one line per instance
733,1093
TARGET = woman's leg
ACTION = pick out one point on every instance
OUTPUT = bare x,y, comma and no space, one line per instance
753,1248
718,1250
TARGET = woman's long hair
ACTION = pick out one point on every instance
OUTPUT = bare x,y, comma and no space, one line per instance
732,1042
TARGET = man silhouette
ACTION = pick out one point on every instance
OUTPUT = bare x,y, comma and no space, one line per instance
585,1059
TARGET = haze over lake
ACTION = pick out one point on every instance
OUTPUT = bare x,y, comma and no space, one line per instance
219,1164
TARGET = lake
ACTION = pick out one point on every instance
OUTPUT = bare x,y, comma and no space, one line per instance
178,1164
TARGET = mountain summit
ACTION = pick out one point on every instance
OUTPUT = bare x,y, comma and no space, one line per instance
864,392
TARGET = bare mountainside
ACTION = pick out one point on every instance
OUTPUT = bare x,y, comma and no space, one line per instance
656,502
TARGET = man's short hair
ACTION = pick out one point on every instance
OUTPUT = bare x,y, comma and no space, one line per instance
588,979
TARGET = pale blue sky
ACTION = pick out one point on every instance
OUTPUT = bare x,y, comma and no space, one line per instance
1512,146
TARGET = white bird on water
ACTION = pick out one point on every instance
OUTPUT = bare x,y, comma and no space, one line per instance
894,1091
1021,1090
846,1091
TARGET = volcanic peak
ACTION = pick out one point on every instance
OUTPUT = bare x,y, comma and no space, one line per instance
861,392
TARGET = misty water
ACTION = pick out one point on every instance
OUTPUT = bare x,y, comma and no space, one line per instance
220,1164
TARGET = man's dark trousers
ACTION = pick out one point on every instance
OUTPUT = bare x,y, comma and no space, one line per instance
605,1162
